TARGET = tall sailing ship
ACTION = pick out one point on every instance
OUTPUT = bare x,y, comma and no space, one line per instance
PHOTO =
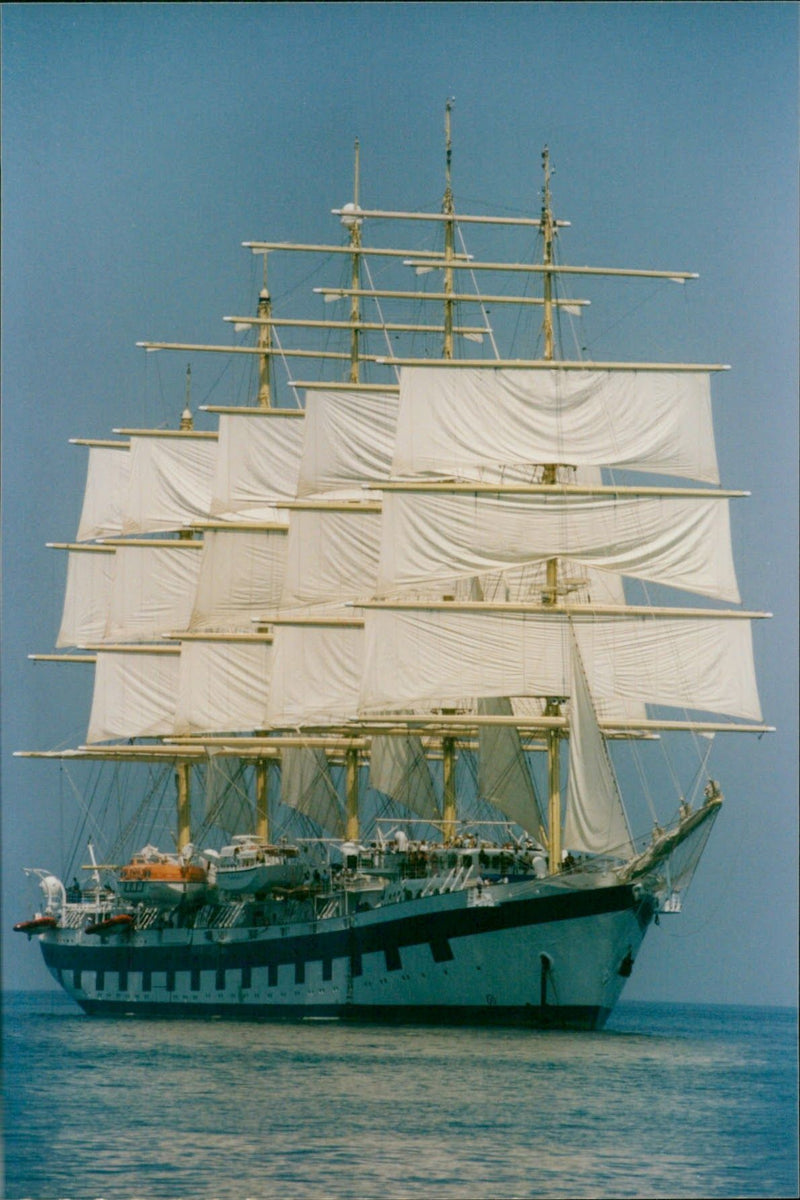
375,625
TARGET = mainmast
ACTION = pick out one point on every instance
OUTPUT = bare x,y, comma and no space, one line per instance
553,705
449,744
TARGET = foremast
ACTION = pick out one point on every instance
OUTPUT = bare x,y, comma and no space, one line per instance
549,476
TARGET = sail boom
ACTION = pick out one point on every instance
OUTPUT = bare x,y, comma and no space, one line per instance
579,611
553,489
379,326
101,443
105,547
262,351
462,219
241,410
207,435
557,269
382,251
474,297
71,658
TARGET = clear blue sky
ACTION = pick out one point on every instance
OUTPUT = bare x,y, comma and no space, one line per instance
143,143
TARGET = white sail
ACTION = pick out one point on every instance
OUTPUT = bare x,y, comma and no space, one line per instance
170,481
257,462
595,820
332,555
306,785
223,685
107,477
153,590
398,768
241,578
454,420
503,774
437,656
90,574
316,672
134,694
683,542
349,439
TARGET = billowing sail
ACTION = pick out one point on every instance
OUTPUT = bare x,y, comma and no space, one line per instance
223,685
306,785
90,574
453,420
332,554
595,821
170,481
683,542
431,655
241,577
134,693
153,589
398,768
257,463
349,440
316,671
107,478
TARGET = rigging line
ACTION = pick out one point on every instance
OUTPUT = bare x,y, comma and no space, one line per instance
627,313
295,392
484,313
377,303
634,749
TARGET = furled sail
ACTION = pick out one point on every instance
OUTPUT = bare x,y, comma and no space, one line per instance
107,478
595,821
306,785
170,481
223,684
683,542
134,693
398,768
257,461
241,577
435,655
453,420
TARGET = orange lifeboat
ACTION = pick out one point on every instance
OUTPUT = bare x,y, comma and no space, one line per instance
35,925
115,924
155,878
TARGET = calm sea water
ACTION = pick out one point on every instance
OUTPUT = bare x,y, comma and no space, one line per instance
668,1101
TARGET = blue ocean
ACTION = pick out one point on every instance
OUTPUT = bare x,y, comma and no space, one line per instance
668,1100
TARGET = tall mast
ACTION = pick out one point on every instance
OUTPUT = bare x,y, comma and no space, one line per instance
352,220
184,804
548,229
262,798
448,208
449,802
264,342
553,706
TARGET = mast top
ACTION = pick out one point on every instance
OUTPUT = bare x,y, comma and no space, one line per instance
187,420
